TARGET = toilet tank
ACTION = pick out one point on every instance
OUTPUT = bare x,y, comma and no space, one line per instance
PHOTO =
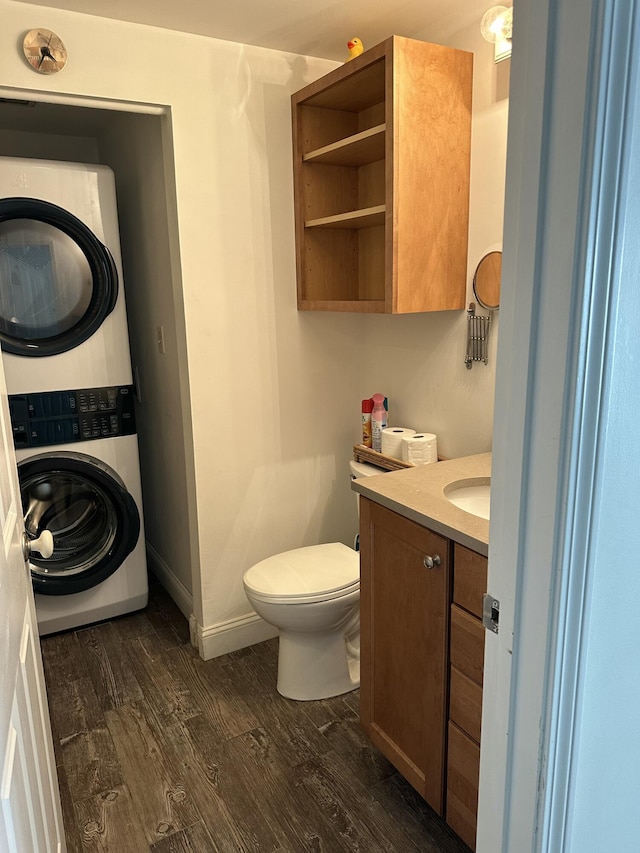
358,470
363,469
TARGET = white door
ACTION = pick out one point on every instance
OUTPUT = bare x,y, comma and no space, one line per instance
30,814
560,754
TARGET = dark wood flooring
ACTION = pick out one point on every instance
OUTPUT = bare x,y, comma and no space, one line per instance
159,751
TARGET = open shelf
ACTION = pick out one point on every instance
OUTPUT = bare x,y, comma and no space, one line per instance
366,218
381,179
364,147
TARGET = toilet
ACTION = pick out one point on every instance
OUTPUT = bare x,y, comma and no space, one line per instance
312,595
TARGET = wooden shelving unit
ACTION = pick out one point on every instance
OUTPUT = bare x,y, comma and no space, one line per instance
381,179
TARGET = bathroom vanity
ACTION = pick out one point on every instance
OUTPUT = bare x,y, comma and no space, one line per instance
423,575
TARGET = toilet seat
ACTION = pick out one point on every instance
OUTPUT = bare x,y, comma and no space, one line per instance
306,575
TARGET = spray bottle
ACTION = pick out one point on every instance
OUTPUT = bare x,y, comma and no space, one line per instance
378,421
367,408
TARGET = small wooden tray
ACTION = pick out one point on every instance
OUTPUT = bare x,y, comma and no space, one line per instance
388,463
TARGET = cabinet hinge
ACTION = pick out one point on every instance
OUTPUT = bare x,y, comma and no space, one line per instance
490,612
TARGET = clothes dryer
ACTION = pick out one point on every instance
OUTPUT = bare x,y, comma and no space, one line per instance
63,320
79,475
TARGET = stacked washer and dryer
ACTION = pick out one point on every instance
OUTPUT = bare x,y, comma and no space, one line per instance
64,336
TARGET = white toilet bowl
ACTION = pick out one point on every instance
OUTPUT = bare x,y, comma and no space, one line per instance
312,595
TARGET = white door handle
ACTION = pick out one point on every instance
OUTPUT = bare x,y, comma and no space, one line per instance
43,545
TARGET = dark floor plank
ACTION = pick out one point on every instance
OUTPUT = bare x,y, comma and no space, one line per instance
74,708
108,666
193,839
164,691
83,743
269,648
160,751
109,822
226,804
255,678
345,738
341,796
352,701
62,657
420,823
239,654
212,692
71,830
90,762
57,749
292,816
322,712
135,625
162,798
168,621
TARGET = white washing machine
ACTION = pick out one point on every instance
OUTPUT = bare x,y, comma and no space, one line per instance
63,320
86,491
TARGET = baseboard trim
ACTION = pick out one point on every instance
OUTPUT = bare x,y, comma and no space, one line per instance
229,636
174,586
210,640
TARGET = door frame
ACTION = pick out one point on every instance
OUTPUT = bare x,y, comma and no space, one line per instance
188,601
570,125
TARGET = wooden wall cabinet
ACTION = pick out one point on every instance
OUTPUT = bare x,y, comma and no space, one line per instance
381,152
403,646
422,658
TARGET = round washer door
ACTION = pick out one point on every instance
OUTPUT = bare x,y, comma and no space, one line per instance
58,282
94,520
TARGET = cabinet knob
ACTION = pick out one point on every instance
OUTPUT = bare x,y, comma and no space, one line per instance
430,562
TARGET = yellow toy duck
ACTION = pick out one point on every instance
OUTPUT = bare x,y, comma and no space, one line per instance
355,48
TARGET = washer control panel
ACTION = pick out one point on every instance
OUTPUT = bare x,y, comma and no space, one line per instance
61,417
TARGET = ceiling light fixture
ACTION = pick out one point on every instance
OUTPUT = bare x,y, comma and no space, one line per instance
497,26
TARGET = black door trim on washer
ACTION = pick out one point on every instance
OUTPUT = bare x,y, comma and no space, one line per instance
107,483
103,270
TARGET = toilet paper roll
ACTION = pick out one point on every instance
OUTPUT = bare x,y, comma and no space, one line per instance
421,448
392,440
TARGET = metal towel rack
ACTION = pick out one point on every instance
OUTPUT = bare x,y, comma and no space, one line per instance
477,336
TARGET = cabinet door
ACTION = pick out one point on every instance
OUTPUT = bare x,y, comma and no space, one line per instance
403,645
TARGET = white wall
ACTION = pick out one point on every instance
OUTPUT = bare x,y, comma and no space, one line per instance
155,300
271,468
418,360
275,393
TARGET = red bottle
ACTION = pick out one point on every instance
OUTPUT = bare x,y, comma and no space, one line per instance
367,408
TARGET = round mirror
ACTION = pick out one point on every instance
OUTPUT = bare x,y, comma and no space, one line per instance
486,281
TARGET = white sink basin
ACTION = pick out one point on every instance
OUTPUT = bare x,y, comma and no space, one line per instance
472,495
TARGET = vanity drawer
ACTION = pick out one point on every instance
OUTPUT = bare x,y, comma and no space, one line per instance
465,704
467,644
469,579
463,771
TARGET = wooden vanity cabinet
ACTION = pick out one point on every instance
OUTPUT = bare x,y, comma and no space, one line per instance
422,659
381,149
403,654
465,692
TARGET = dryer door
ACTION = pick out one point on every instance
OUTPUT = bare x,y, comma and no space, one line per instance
57,280
94,520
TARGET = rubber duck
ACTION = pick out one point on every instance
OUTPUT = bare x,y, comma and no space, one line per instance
355,48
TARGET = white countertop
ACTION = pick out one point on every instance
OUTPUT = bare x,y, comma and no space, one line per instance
418,494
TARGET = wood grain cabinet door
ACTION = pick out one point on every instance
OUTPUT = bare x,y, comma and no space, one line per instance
404,616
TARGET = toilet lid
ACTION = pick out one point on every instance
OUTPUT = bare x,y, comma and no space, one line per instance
311,571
